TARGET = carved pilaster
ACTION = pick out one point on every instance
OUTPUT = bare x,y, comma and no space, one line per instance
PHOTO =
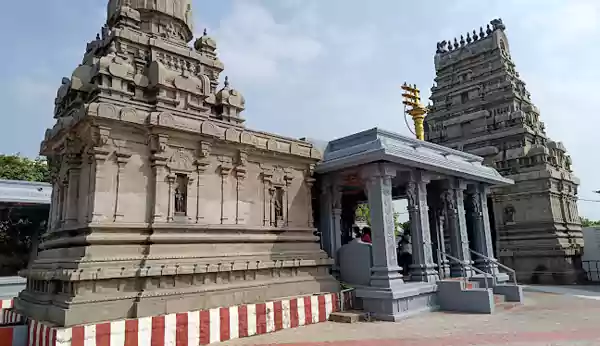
378,179
201,166
267,178
158,159
224,171
99,182
171,200
122,157
287,181
423,268
240,175
309,181
72,202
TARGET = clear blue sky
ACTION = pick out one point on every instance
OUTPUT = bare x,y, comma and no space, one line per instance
325,69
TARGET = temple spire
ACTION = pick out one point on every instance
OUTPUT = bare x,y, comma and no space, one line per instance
167,18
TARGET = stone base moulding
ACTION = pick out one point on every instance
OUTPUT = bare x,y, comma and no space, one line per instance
196,327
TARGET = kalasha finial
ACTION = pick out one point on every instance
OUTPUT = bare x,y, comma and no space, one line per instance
475,37
226,83
205,33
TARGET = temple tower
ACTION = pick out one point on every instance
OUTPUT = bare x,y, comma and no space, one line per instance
481,106
163,201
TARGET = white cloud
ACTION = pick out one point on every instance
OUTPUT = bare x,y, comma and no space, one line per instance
254,45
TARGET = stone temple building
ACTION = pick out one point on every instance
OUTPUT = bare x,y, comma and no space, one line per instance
481,106
162,199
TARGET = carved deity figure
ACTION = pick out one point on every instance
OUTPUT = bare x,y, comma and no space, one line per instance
278,205
411,194
475,203
509,214
181,194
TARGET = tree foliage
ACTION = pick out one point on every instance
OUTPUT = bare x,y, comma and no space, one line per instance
364,214
20,225
585,222
17,167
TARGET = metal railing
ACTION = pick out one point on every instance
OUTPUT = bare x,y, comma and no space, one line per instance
463,267
496,262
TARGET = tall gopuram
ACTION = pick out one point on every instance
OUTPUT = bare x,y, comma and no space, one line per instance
481,106
163,201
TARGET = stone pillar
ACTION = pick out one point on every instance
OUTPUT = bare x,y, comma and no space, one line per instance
436,224
423,268
337,217
453,199
445,267
385,272
72,203
482,233
326,216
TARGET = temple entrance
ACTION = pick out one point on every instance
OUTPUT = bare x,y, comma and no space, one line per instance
490,203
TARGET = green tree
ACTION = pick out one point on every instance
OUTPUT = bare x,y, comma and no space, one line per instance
21,226
364,214
585,222
17,167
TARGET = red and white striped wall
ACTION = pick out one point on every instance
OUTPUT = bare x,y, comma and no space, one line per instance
13,335
8,316
196,327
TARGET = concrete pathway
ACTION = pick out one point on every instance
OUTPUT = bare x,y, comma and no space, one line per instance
580,291
553,318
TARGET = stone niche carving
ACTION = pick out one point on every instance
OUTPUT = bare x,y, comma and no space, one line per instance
181,168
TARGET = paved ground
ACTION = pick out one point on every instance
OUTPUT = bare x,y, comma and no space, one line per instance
565,317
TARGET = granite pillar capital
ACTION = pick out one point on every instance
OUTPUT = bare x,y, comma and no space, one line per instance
377,170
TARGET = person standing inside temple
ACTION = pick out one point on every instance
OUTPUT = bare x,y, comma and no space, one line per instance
405,253
366,235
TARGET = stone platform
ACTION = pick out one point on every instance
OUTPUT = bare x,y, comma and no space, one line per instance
189,328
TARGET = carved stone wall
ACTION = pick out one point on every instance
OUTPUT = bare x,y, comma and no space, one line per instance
163,201
482,106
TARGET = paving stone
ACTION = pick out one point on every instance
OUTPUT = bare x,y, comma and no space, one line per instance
544,319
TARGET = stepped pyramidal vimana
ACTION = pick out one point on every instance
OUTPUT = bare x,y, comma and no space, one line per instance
481,106
163,200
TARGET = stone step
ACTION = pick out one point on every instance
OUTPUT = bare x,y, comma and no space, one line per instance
351,316
499,299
